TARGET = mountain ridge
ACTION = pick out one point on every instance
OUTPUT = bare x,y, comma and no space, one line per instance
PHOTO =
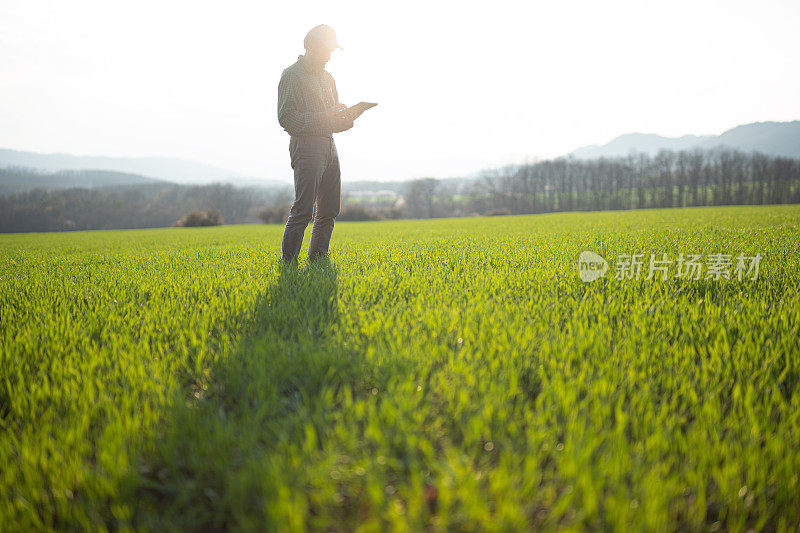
769,137
172,169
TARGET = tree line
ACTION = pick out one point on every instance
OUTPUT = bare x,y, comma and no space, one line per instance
719,176
131,206
713,177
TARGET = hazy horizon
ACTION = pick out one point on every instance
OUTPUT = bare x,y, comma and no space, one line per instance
198,83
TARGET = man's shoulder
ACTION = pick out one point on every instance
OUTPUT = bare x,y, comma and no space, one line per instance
294,68
291,69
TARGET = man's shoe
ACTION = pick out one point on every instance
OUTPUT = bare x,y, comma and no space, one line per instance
285,263
319,257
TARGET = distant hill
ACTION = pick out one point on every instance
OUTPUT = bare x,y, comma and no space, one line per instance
164,168
774,138
17,179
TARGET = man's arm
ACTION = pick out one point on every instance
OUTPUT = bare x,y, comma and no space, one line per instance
291,119
339,124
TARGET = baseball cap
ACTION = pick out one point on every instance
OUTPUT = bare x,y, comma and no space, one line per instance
324,34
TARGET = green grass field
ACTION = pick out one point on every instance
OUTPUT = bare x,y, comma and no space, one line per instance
451,374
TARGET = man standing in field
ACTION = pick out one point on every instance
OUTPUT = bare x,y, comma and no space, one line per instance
307,105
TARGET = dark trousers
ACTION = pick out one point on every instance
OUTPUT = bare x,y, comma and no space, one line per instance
317,180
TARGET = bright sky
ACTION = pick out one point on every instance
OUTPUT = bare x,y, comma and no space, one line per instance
461,86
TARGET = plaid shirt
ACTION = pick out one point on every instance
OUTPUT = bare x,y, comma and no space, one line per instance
304,93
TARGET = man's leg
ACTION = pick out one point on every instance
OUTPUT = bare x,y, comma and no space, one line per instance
328,203
309,163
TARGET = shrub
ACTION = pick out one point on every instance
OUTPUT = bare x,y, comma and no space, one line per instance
497,212
211,217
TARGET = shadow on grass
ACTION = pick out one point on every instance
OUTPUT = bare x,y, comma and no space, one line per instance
213,467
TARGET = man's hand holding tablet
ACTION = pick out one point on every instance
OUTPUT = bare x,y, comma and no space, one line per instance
353,112
337,120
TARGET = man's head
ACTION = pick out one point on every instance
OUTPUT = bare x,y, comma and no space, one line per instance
320,41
